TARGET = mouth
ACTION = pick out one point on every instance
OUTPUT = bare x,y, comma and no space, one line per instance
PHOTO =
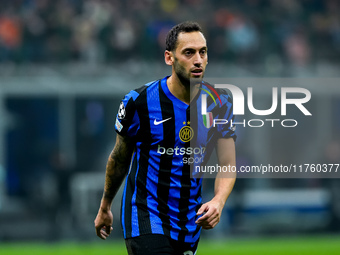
197,71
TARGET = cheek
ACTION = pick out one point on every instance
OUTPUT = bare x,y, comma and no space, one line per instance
180,67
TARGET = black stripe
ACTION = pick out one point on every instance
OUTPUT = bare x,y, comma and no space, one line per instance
230,100
141,89
216,111
141,197
196,231
210,101
130,187
194,125
165,160
186,182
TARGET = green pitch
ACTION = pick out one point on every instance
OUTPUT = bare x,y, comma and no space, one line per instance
284,246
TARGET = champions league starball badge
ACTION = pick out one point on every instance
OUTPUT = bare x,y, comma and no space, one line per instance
121,111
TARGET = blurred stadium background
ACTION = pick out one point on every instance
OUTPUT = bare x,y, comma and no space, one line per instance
64,66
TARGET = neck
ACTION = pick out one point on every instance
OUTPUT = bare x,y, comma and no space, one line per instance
183,92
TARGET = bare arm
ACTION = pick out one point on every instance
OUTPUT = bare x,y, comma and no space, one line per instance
224,184
116,170
225,181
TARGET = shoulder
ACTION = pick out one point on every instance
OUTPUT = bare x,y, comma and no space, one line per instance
223,95
138,93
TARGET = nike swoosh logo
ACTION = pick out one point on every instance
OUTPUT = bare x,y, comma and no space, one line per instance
161,121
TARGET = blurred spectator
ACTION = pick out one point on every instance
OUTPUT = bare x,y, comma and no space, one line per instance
10,37
297,49
242,35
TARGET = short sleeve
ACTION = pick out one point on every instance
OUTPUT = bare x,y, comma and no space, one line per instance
226,112
127,119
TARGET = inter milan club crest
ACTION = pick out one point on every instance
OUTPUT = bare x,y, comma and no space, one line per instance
186,133
121,111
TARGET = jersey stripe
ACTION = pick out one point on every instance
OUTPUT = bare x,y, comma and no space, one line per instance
198,200
177,169
127,198
165,160
141,198
185,193
153,171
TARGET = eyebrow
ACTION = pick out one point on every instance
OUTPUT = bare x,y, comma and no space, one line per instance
193,49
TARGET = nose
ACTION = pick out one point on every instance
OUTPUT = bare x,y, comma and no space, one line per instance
198,60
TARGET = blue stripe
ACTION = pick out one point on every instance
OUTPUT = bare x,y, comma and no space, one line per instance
191,225
154,159
134,213
150,83
123,208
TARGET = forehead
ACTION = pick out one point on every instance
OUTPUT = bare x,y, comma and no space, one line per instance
192,40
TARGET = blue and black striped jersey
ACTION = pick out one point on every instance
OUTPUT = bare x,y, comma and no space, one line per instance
160,196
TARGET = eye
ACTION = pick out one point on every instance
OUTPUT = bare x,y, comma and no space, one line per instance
203,52
188,53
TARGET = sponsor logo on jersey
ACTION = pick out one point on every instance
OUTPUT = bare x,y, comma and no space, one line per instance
155,122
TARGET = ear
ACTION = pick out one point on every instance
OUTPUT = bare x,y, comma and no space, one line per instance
168,58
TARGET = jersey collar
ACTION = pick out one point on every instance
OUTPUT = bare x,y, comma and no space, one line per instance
174,99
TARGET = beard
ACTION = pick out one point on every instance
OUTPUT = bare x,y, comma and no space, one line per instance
184,76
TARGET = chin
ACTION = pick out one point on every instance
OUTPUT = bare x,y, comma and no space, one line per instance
195,80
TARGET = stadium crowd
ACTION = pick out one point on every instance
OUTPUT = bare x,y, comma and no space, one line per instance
105,31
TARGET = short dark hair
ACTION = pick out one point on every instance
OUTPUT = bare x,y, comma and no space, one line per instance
185,27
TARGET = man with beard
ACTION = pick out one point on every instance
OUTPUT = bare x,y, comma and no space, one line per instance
162,210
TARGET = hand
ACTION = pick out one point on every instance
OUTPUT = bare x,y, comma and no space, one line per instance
212,212
103,223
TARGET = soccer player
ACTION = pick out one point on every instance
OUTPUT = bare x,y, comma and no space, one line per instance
162,136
